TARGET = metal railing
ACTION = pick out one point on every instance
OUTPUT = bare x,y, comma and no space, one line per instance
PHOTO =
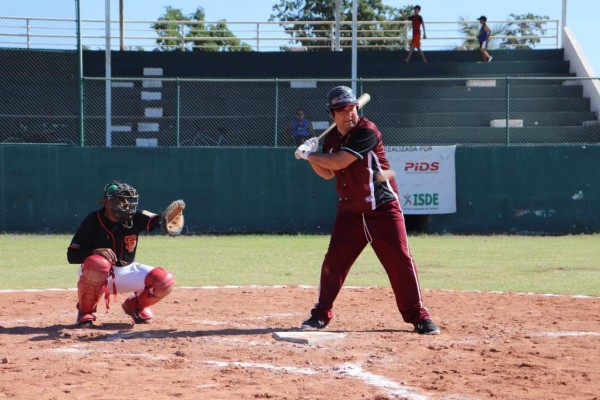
195,113
55,33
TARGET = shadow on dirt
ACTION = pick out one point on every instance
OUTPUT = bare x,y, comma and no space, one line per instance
124,331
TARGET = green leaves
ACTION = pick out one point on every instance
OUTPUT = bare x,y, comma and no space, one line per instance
319,12
189,32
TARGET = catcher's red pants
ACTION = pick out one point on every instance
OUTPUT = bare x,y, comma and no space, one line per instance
386,231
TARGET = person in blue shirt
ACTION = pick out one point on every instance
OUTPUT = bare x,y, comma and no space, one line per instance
300,129
484,38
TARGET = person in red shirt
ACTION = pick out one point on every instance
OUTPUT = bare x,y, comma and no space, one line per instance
417,21
368,213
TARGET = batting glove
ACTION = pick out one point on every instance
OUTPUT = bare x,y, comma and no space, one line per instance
302,152
312,144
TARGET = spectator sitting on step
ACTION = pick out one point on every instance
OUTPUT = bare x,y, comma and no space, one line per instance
300,129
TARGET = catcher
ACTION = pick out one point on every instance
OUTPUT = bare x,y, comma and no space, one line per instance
105,246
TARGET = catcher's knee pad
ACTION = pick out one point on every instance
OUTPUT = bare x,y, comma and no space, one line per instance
159,282
93,283
95,270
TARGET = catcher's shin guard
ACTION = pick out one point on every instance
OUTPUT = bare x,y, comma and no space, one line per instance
159,283
92,284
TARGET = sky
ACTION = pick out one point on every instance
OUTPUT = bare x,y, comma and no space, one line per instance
582,15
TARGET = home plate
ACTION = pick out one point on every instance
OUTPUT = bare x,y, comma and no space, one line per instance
307,337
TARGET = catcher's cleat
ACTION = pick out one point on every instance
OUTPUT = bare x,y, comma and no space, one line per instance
85,320
312,323
427,327
85,325
139,316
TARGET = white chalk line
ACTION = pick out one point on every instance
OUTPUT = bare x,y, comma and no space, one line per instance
566,333
77,350
295,370
388,386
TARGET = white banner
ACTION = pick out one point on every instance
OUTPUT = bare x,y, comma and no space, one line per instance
426,178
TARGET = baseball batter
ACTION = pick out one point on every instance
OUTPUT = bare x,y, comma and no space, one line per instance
105,245
368,213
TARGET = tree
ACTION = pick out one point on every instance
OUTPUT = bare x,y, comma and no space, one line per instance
525,30
471,31
319,34
178,31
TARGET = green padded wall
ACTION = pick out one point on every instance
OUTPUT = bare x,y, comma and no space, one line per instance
51,188
525,190
515,189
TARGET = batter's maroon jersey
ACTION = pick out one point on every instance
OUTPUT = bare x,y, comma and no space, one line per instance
356,185
97,231
368,213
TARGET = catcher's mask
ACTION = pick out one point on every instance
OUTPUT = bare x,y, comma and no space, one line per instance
121,199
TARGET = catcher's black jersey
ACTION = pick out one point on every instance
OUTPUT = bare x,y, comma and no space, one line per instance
97,231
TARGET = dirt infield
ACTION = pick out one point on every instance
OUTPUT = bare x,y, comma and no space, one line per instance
217,343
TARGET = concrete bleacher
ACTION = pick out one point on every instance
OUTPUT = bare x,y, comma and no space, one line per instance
452,99
543,105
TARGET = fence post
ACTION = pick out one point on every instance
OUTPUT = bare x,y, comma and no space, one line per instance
28,29
182,38
507,111
177,113
80,77
276,112
360,91
257,36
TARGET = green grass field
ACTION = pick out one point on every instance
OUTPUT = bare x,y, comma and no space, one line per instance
552,264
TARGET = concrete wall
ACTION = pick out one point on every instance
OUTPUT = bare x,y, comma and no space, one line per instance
515,189
581,66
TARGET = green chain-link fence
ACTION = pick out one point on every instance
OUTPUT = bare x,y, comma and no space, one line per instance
257,113
42,102
37,107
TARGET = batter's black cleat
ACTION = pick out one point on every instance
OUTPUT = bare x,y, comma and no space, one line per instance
313,323
427,327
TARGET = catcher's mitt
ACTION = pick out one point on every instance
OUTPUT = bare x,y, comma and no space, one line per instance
172,219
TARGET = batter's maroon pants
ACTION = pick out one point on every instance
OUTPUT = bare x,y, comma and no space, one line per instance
386,230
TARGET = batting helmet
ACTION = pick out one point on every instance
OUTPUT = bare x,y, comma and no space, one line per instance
340,96
122,199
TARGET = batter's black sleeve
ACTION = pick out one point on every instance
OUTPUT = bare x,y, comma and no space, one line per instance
361,142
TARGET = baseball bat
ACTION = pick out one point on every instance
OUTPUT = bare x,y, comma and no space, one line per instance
384,175
362,100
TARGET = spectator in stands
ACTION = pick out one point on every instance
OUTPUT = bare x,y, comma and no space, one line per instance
417,21
484,38
300,129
